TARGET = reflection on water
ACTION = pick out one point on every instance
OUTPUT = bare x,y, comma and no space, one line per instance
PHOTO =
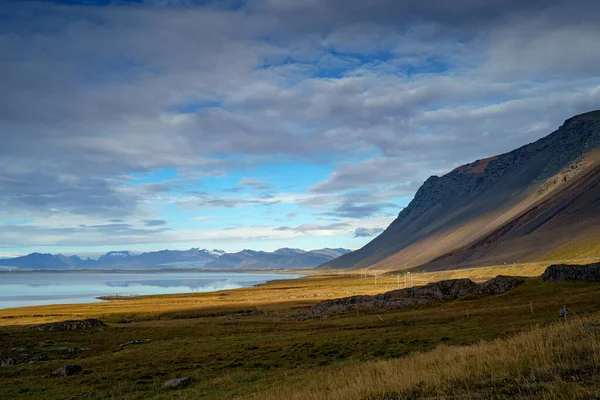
28,289
192,284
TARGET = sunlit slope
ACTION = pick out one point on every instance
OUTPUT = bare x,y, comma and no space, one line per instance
563,226
451,212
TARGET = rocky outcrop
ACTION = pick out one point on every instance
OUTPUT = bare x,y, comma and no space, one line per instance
441,291
563,272
71,325
436,291
499,284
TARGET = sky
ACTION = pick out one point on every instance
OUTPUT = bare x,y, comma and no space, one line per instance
151,124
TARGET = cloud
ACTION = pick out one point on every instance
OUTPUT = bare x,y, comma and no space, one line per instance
204,217
155,222
366,232
349,210
367,173
308,228
251,182
385,96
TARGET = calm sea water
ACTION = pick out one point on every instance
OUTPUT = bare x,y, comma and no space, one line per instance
40,288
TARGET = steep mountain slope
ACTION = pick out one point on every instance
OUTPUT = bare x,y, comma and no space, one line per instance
562,226
450,213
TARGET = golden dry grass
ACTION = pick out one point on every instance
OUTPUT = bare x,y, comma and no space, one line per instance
541,363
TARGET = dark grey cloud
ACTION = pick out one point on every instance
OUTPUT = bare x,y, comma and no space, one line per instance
367,232
350,210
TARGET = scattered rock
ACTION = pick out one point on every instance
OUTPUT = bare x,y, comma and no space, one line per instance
71,325
250,347
178,383
36,359
23,359
563,272
564,312
8,362
66,370
137,341
73,350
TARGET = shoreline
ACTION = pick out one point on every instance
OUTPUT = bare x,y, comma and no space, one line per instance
114,298
109,298
150,270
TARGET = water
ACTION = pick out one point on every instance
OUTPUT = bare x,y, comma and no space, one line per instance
40,288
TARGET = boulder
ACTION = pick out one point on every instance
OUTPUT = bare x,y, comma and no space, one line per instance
66,370
564,272
564,312
178,383
71,325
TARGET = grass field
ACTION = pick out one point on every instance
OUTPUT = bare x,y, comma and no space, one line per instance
500,350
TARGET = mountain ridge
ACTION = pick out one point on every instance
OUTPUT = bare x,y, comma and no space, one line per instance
192,258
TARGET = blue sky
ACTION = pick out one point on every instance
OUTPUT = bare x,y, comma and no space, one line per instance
151,124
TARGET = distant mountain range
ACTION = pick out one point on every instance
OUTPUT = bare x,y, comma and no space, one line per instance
539,202
192,258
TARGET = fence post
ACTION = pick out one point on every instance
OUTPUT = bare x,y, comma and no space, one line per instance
531,306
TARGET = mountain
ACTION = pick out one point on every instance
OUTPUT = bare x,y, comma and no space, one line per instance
192,258
282,258
538,202
41,261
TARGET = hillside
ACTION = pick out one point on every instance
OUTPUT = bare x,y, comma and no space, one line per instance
534,203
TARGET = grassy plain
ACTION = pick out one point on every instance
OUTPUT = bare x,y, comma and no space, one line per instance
500,350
